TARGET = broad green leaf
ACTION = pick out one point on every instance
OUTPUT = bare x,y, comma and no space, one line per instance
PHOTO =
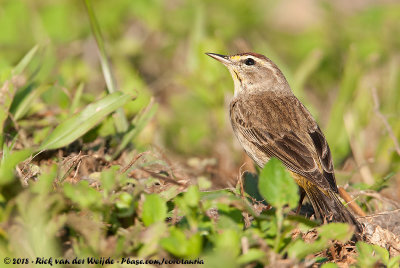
151,239
76,126
394,262
329,265
125,205
228,241
252,255
176,243
9,162
226,222
335,230
108,178
250,183
192,196
277,186
195,245
45,181
382,252
366,258
154,209
180,246
300,249
82,194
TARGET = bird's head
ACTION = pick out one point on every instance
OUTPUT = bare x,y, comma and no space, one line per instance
252,72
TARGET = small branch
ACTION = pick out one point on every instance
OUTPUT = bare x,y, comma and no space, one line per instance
158,176
378,197
132,162
384,120
391,212
350,202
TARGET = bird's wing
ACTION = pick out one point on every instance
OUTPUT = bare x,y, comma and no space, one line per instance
306,152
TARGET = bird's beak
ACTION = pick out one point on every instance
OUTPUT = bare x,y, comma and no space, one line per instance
221,58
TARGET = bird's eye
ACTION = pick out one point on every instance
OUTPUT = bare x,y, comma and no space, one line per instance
249,61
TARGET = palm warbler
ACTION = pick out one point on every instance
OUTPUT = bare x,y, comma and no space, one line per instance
269,121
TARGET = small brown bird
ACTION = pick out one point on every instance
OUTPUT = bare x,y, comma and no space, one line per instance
269,121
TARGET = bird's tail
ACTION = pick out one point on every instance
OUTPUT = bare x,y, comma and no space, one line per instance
328,207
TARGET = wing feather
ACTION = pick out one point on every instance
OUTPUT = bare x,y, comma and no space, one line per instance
305,152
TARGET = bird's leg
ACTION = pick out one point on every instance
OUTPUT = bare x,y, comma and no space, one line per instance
302,195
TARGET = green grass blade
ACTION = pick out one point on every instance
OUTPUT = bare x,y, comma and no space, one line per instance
25,61
76,126
76,99
7,90
24,99
120,121
6,97
138,124
9,162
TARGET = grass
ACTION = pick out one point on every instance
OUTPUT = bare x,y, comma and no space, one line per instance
114,129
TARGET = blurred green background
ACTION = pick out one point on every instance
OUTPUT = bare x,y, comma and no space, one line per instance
109,190
336,55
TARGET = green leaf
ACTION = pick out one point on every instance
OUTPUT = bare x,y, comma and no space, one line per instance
151,239
333,231
192,196
82,194
382,252
229,242
121,122
24,99
252,255
44,183
125,204
336,231
76,99
76,126
277,186
25,61
138,123
9,162
366,256
329,265
394,262
195,245
180,246
154,209
250,182
108,178
7,92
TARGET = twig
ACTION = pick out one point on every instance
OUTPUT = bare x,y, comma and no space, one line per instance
382,213
350,203
378,196
76,163
385,121
158,176
132,162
